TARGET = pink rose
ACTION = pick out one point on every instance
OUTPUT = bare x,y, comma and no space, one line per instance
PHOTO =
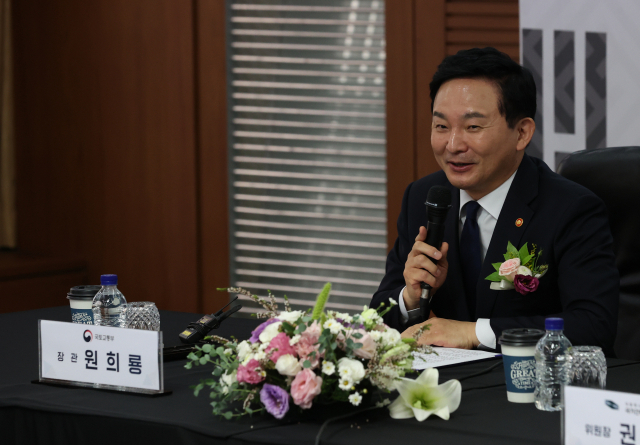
525,284
250,373
508,269
305,346
305,387
280,346
368,345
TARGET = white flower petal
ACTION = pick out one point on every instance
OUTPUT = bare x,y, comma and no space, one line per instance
400,410
429,377
442,413
451,392
422,414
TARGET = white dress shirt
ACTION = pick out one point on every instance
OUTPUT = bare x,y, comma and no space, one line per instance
490,207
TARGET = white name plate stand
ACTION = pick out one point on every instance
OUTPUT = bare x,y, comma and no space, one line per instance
596,416
101,357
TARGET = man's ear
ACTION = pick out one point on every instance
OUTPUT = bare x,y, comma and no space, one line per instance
525,128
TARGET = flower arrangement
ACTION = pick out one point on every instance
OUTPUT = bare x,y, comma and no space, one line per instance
519,271
298,359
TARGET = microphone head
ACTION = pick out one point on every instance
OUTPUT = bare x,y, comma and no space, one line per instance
439,197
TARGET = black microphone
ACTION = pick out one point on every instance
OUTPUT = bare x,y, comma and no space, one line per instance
438,205
196,331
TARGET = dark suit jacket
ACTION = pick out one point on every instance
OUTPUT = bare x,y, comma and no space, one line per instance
565,220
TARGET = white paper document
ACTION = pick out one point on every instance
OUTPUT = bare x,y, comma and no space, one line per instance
448,356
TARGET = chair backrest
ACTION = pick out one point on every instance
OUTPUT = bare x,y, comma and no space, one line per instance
614,175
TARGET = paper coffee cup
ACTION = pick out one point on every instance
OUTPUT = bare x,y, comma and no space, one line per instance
80,299
518,356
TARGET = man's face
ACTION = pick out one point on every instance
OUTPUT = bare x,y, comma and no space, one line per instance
471,139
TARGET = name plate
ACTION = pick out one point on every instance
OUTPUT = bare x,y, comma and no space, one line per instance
597,416
101,357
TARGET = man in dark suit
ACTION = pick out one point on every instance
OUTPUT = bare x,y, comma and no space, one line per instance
483,108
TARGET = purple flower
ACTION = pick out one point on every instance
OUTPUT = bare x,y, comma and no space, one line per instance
275,400
525,284
255,334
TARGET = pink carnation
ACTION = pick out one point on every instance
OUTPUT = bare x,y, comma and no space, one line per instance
305,346
508,269
313,331
250,373
280,346
368,345
305,387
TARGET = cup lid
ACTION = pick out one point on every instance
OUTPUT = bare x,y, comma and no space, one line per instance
520,337
83,292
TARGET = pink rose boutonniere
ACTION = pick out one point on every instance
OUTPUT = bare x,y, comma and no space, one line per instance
519,271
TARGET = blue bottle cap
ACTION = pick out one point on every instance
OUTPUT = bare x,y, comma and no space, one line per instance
554,324
109,279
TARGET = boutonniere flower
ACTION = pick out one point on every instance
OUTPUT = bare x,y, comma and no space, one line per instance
519,271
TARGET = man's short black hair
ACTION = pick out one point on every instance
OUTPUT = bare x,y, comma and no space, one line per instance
515,83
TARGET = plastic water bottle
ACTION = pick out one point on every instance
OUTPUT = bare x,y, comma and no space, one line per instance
109,303
550,356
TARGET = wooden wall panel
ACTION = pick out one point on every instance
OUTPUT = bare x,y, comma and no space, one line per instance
211,108
430,50
105,141
479,23
401,95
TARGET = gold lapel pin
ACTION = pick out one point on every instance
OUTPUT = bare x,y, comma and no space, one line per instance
519,222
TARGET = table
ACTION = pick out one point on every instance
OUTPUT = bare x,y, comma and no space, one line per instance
36,413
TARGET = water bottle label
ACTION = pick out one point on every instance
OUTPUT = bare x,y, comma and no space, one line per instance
520,373
82,316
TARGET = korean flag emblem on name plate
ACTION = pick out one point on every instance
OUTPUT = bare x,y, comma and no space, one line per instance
519,222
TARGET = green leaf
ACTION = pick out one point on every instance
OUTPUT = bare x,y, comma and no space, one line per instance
526,259
248,410
494,277
217,372
287,328
511,249
204,359
496,266
357,345
507,257
306,364
356,335
409,340
220,350
188,365
197,389
523,253
207,348
227,415
321,301
192,356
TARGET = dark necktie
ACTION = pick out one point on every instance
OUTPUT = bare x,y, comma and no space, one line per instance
470,254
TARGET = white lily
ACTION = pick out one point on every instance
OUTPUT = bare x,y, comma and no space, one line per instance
423,396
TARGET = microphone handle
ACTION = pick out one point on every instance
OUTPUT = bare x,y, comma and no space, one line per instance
435,235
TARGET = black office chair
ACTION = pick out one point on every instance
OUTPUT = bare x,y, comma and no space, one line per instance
614,175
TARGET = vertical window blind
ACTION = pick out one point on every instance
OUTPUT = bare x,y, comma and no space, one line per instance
307,149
